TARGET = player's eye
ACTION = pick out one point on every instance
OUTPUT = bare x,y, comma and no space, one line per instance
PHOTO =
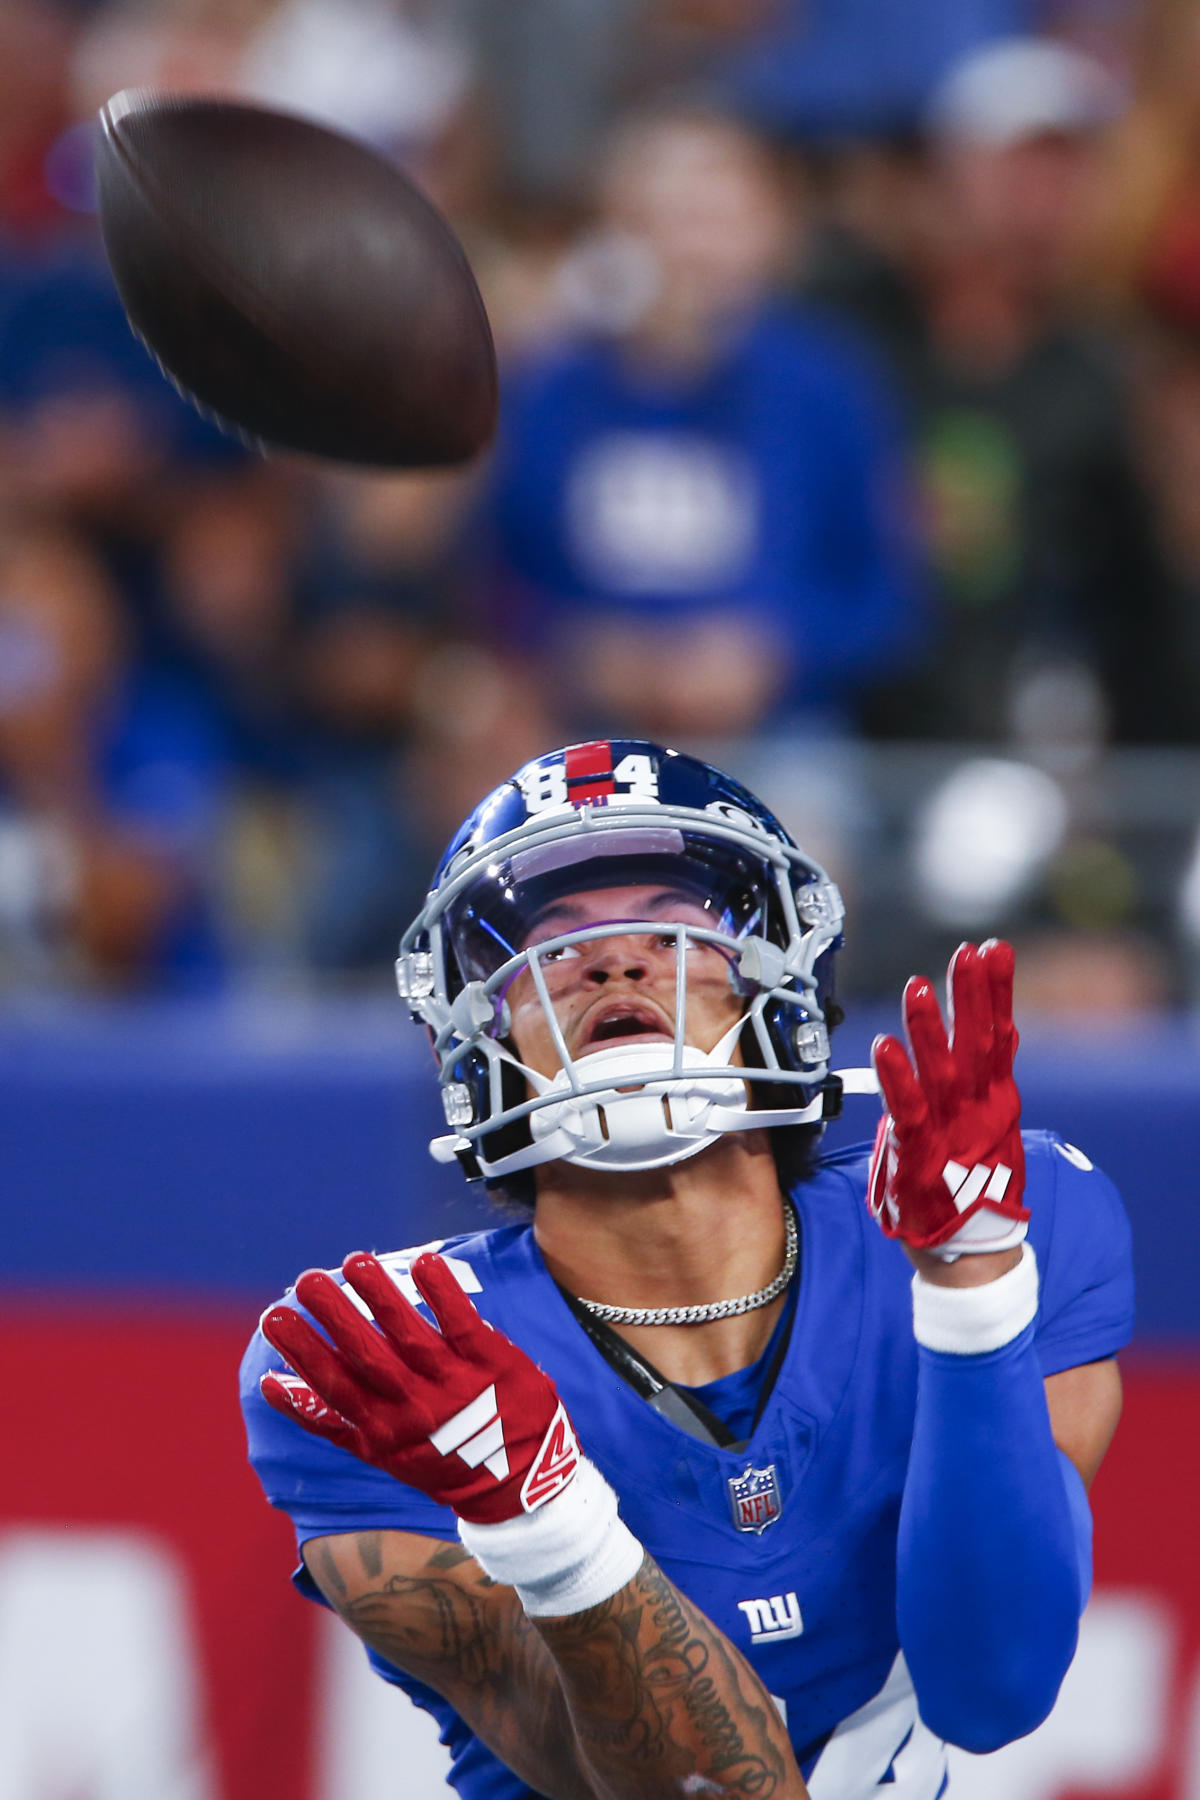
560,954
668,940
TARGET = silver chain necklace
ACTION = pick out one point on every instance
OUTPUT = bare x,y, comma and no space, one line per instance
715,1309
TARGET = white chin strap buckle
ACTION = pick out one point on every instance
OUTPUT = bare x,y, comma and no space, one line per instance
646,1127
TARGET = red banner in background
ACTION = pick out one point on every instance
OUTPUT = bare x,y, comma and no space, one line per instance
125,1485
1146,1501
150,1640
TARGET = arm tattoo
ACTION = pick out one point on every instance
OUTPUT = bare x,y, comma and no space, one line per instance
451,1556
331,1575
640,1696
476,1648
660,1700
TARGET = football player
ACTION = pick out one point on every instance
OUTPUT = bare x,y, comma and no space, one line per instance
724,1466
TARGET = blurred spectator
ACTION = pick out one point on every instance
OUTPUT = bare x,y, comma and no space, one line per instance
699,502
983,839
89,429
189,46
393,71
1146,248
227,554
381,817
831,70
479,717
555,72
1097,978
1168,394
370,607
1145,266
1037,520
109,787
36,39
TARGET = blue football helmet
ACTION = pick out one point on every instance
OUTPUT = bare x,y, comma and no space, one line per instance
622,813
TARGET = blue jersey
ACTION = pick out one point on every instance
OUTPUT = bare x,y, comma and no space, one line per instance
788,1545
769,488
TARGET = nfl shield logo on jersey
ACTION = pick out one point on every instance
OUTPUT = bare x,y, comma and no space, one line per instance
754,1499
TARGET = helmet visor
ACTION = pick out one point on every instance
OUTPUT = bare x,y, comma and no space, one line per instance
537,895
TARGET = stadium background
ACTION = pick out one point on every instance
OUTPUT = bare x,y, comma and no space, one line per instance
241,705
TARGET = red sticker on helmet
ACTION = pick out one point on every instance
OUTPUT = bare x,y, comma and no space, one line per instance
589,771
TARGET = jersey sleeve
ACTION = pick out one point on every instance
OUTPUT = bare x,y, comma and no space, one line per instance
1080,1232
321,1488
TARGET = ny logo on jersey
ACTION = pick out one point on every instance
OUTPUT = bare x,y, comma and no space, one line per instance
754,1499
774,1620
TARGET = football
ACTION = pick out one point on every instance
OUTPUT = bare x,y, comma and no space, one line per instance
293,283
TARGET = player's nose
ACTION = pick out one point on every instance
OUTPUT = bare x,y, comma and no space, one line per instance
608,958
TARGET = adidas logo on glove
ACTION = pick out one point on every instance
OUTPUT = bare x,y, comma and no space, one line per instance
476,1433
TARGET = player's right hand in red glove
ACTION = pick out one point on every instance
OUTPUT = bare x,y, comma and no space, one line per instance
460,1412
948,1169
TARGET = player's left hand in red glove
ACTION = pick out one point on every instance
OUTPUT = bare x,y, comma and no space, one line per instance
462,1414
948,1169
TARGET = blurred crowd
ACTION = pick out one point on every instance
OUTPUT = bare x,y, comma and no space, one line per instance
850,435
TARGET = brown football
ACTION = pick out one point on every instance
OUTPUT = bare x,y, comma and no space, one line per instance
293,283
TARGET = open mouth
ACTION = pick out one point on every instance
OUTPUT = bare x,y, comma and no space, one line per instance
624,1023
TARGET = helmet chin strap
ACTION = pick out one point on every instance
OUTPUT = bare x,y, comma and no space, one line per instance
634,1123
647,1126
663,1121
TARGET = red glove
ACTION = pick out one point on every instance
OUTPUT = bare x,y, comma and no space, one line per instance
461,1414
948,1169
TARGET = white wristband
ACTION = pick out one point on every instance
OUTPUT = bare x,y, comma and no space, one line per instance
570,1554
971,1320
